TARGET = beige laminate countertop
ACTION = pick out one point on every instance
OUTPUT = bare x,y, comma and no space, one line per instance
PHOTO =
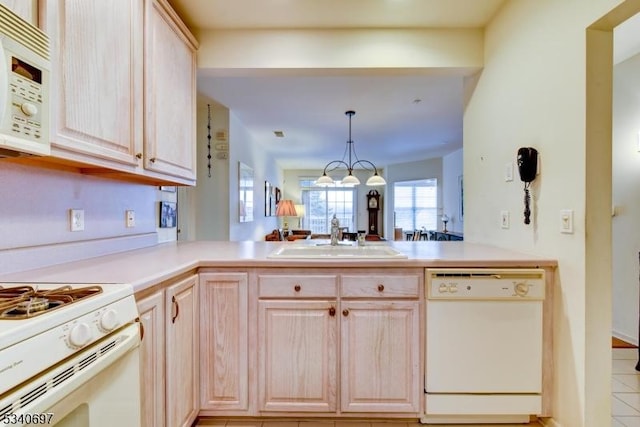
145,267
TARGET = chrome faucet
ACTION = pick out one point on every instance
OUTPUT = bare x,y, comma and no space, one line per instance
335,230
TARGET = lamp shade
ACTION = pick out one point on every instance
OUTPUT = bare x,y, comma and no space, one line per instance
376,180
350,180
286,208
324,180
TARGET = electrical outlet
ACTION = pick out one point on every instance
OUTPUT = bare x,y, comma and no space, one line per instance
566,221
76,219
504,219
130,218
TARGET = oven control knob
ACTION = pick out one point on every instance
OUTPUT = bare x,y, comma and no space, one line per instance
109,320
521,289
29,109
79,335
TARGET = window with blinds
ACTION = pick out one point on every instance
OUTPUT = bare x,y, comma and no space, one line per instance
415,204
321,203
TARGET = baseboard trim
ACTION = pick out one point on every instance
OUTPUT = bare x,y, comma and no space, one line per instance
29,258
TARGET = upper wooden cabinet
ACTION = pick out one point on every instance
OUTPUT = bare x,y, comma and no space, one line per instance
109,116
26,9
170,91
96,84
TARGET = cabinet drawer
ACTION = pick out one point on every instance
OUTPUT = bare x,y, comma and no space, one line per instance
380,285
297,286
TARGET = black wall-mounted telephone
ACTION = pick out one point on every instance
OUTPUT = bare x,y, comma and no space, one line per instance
527,163
528,167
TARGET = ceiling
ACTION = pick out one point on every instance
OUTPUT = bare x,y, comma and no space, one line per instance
400,116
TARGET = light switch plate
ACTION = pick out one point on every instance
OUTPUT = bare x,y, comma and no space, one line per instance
508,171
566,221
504,219
76,219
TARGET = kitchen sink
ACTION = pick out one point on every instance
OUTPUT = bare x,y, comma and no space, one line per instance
339,251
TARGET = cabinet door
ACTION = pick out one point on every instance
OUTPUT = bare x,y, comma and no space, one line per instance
151,311
182,352
96,85
170,88
297,355
380,366
26,9
224,342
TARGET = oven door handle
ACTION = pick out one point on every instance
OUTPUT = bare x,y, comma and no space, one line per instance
175,304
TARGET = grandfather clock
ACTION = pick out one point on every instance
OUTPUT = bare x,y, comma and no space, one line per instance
373,206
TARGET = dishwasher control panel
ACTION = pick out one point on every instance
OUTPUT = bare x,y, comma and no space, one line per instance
480,284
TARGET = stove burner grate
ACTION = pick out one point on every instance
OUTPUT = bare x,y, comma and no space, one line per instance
23,302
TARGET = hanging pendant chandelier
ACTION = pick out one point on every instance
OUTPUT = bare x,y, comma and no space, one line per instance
350,155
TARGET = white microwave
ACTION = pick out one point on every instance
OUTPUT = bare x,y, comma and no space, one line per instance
24,87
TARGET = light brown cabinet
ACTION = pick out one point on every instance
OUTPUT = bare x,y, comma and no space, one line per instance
297,356
347,338
170,93
380,368
224,336
152,345
182,350
97,96
169,355
103,103
26,9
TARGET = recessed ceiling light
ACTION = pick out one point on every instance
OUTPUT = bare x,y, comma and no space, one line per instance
278,133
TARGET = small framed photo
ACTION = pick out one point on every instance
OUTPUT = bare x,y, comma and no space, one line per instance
168,215
278,195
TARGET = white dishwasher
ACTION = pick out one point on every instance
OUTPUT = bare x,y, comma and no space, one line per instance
483,345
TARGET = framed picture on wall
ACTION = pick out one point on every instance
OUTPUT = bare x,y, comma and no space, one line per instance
168,215
278,195
269,202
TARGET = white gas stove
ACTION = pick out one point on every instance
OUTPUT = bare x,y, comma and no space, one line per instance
51,332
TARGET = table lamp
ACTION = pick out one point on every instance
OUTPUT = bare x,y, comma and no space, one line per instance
445,220
300,212
285,209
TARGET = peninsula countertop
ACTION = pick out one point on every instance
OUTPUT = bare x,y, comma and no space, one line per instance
145,267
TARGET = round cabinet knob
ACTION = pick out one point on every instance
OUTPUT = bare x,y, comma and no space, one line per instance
297,288
29,109
380,287
521,289
80,335
109,320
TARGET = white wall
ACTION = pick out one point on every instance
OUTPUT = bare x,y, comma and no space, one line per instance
451,197
204,209
244,148
35,216
533,92
626,198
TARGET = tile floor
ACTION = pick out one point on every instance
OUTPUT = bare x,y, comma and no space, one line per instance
625,386
625,402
